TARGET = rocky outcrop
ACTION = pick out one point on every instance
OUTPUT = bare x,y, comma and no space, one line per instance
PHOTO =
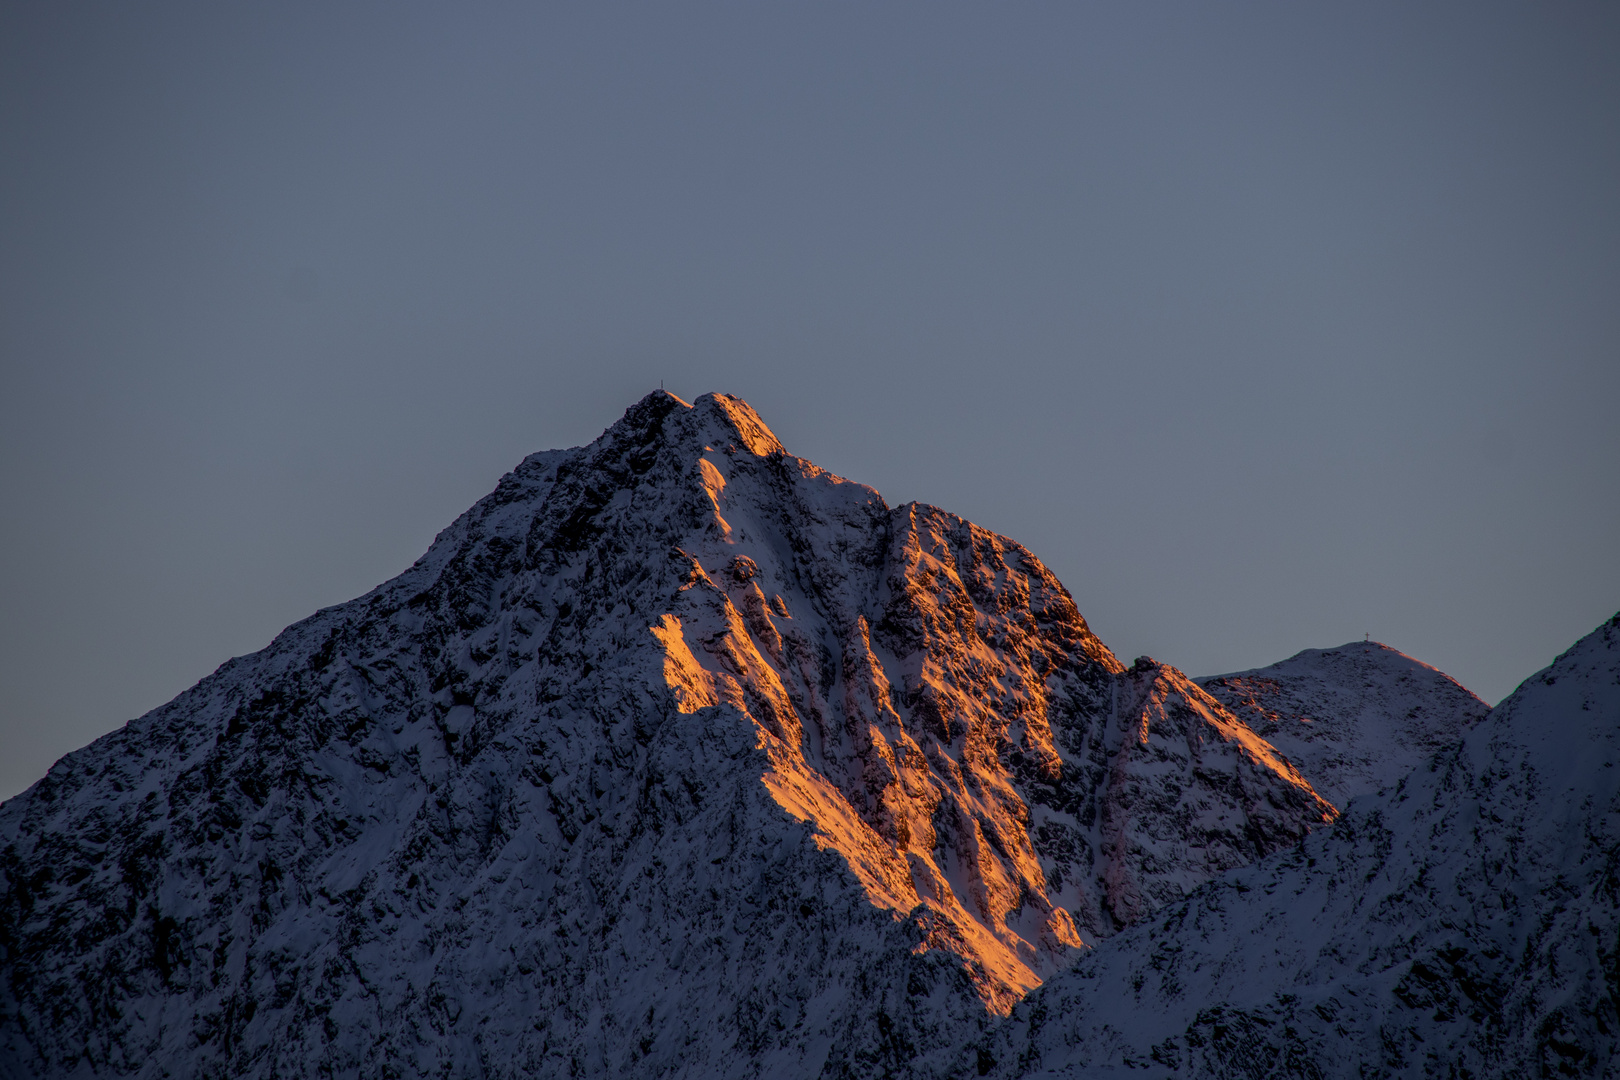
1190,793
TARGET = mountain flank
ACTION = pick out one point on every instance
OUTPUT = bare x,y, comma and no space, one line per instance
1463,922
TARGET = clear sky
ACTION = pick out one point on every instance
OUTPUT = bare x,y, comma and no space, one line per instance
1265,325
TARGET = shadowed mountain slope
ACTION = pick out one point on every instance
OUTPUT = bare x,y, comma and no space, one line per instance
1352,719
1465,923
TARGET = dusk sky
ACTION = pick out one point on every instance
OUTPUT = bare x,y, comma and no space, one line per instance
1266,326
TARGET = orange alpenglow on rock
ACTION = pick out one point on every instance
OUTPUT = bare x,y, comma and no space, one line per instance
933,704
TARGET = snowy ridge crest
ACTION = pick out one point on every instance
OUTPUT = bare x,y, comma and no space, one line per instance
1355,719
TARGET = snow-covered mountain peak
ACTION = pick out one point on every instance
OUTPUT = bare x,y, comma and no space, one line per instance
674,755
1352,719
713,420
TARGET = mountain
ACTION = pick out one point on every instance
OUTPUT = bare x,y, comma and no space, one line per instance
1465,923
674,756
1352,719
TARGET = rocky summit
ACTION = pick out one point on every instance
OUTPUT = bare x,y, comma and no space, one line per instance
675,756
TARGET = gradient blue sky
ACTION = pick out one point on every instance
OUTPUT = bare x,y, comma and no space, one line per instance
1265,325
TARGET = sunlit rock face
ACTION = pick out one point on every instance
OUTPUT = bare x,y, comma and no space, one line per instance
936,709
674,756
